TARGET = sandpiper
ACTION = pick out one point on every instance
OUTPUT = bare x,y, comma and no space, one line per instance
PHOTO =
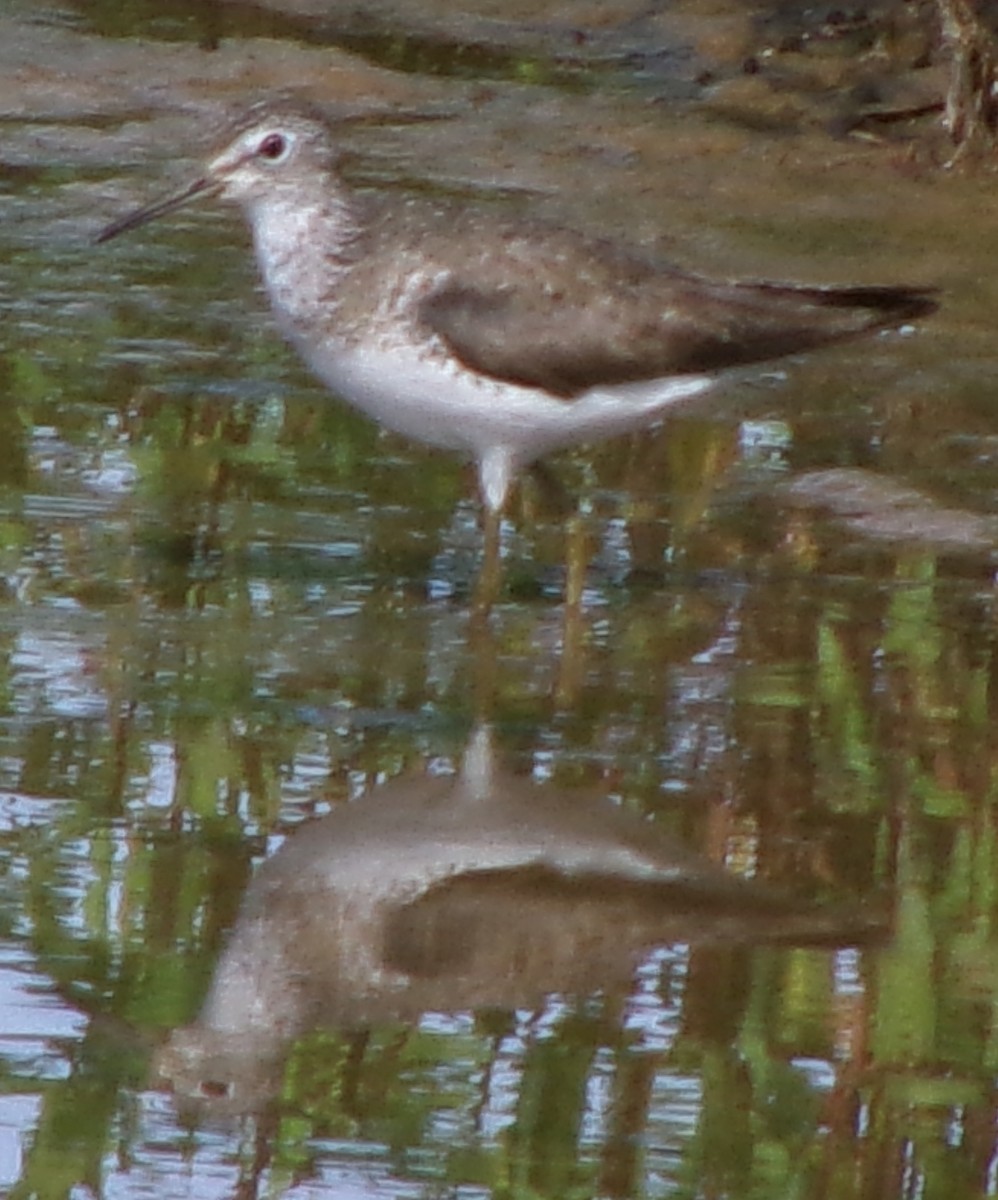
501,339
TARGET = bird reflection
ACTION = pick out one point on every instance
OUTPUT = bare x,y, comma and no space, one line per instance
477,891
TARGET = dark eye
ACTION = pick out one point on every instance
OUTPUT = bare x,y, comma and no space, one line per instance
273,146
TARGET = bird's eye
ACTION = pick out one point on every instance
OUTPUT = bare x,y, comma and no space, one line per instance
274,146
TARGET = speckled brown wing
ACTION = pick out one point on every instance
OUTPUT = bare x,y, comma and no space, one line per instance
651,324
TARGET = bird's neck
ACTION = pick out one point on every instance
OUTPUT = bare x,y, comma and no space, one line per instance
305,245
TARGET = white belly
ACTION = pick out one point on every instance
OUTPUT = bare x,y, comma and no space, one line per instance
445,405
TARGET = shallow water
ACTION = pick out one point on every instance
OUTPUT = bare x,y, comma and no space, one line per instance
231,610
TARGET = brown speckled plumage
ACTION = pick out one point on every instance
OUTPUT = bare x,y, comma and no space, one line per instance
504,339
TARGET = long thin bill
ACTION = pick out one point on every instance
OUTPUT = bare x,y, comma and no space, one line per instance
158,208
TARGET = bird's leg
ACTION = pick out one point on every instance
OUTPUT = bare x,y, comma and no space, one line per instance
576,560
490,575
571,666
